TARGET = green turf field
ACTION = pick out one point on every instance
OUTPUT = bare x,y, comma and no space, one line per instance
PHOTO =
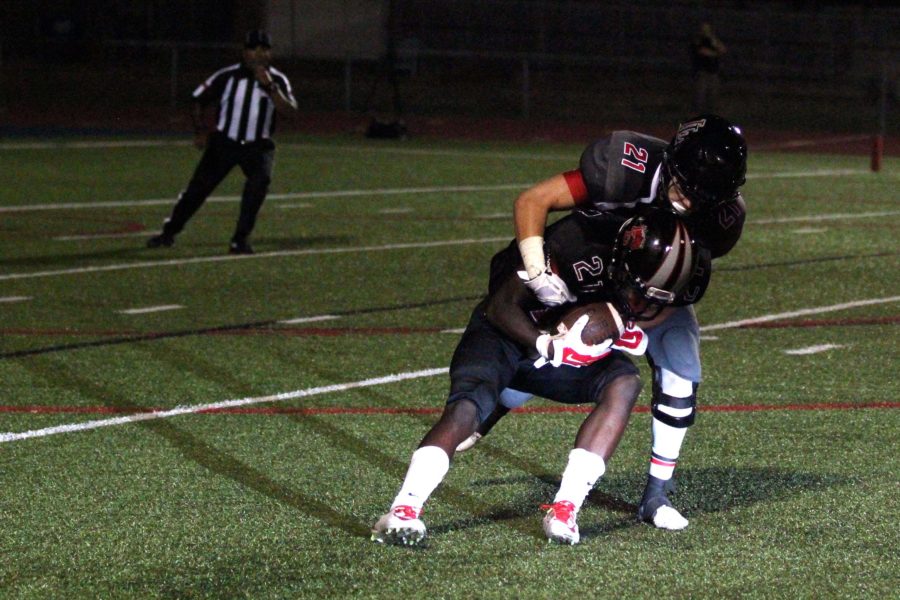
377,252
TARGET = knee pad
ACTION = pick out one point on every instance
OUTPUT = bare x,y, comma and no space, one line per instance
674,345
677,410
511,398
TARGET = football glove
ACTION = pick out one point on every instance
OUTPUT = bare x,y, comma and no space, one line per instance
633,340
568,349
549,288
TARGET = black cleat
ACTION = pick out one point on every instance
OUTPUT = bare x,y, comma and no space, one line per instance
655,507
161,241
240,248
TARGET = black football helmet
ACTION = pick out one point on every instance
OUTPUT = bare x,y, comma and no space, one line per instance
654,260
707,158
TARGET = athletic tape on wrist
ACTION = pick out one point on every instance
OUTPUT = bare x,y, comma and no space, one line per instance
532,251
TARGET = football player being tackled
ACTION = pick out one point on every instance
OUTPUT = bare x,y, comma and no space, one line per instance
513,340
696,176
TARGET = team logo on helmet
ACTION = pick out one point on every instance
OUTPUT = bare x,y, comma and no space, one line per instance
707,158
634,237
688,128
653,261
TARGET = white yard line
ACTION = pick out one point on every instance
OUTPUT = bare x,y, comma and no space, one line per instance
259,255
99,236
814,173
826,217
11,299
340,387
799,313
150,143
309,319
193,409
274,197
801,143
317,148
92,145
151,309
373,192
208,259
813,349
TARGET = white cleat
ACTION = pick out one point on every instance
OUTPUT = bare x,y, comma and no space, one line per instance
401,526
559,523
468,442
666,517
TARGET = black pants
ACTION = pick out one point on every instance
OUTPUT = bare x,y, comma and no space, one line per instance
220,157
486,362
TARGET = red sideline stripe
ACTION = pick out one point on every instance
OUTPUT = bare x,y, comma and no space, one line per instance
298,331
289,410
330,331
336,331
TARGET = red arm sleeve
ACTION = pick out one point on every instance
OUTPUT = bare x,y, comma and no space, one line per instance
576,186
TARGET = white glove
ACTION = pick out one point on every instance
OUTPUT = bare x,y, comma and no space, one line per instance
568,349
549,288
633,340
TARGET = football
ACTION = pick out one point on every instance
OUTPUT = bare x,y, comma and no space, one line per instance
604,322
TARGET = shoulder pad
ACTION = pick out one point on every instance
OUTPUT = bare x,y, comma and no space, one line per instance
618,170
720,229
696,286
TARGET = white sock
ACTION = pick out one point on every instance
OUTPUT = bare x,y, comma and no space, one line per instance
667,442
426,470
582,472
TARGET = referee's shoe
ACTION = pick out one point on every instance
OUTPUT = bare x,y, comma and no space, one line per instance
240,247
161,241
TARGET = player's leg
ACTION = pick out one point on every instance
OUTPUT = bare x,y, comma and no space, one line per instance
257,166
612,385
674,353
483,364
218,159
597,439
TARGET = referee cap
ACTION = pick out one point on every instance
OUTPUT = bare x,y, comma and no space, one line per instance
256,38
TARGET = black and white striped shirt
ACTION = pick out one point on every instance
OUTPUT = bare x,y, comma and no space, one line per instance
246,113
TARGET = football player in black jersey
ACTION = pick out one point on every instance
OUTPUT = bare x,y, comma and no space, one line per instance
638,268
696,175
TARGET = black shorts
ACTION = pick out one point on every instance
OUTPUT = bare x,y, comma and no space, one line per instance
486,362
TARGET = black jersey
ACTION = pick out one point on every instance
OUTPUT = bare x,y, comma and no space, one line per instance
621,173
577,251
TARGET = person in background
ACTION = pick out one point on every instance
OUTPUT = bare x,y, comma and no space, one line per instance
706,52
248,96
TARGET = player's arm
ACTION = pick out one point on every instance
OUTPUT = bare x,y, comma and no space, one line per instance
201,98
505,311
530,213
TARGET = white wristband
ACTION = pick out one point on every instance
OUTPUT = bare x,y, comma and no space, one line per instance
543,345
532,251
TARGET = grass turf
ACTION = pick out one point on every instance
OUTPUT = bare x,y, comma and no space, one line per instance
783,502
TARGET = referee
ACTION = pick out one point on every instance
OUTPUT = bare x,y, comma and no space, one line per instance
248,96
